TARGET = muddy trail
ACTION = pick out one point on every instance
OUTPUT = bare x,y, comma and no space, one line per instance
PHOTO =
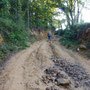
45,66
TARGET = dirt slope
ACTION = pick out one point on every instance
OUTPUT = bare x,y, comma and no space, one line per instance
24,71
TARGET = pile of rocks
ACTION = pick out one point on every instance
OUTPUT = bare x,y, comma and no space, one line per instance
57,78
52,88
76,72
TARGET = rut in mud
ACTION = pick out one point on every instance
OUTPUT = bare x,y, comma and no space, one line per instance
46,66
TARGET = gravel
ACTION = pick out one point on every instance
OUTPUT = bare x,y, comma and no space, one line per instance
76,72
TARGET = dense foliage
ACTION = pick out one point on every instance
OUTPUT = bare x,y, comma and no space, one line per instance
18,17
75,35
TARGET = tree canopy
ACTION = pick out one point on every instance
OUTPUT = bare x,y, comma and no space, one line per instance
39,13
18,17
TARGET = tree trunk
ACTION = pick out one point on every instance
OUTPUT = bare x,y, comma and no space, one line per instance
71,13
68,19
31,17
78,12
17,16
28,16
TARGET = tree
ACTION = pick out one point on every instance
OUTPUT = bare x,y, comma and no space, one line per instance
72,9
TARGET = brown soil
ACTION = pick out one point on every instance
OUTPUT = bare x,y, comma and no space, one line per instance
24,70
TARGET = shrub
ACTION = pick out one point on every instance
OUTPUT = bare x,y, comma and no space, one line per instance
88,45
15,36
12,33
59,32
70,36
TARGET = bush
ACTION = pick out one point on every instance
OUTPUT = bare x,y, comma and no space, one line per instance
12,33
59,32
70,36
5,49
15,36
88,45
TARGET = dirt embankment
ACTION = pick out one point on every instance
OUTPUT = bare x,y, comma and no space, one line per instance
27,69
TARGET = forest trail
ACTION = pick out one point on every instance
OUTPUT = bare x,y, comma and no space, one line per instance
27,70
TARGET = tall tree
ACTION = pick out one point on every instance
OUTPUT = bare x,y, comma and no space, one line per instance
71,8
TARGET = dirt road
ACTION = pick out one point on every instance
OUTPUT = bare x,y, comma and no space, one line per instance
24,71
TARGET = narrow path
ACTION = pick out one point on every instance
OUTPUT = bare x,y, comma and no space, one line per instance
24,70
